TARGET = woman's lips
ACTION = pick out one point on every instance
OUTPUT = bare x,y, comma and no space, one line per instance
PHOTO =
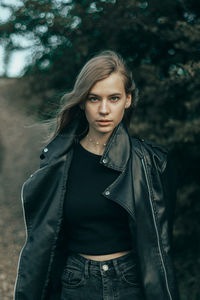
104,122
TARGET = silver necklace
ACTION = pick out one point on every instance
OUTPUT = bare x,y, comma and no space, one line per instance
94,142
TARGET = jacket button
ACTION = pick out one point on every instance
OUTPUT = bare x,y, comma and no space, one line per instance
46,150
105,160
107,193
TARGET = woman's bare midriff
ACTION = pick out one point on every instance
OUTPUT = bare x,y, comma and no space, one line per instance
106,256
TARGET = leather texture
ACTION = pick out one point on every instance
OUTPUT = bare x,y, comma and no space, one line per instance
145,188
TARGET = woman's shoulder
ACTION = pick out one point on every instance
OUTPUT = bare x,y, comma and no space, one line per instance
150,148
149,144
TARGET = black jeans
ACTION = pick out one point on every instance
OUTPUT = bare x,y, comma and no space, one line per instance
113,279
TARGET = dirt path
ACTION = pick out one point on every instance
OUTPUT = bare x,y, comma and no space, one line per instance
11,240
20,146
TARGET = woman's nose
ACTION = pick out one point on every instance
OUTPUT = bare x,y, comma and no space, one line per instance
104,107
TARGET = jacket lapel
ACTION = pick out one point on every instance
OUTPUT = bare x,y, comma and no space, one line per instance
121,191
116,156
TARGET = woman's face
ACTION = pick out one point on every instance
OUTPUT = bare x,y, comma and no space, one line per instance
106,103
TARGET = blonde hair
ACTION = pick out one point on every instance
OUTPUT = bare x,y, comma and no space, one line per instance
97,68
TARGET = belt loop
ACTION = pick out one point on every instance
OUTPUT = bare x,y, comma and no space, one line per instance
116,266
86,267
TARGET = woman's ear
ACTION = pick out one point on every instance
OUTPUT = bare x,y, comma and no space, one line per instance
128,100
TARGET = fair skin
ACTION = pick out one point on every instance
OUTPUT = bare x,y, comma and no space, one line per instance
107,100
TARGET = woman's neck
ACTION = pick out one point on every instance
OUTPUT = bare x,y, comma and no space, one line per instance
94,145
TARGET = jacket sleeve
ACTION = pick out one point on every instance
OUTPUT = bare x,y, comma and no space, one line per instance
169,182
155,198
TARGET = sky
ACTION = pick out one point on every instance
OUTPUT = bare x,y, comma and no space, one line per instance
18,59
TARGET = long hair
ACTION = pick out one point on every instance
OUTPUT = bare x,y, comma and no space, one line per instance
97,68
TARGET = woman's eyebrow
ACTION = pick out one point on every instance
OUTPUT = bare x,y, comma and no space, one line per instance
114,94
92,94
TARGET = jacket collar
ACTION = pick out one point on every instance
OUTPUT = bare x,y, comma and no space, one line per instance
116,153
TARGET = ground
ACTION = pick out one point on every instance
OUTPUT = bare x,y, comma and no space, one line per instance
20,146
11,240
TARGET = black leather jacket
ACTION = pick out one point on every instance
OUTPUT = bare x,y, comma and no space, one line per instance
145,188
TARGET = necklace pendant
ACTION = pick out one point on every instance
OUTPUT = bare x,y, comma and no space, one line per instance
92,141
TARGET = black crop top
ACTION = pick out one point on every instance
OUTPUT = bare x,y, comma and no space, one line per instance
94,224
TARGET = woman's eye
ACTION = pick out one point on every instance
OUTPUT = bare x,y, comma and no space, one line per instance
115,98
93,99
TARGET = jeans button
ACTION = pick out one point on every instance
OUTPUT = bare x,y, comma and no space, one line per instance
105,267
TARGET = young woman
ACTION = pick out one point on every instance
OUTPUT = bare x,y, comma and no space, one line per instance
99,210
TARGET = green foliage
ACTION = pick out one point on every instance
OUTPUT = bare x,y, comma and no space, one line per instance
161,43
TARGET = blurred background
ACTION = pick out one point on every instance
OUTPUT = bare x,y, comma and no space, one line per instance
44,44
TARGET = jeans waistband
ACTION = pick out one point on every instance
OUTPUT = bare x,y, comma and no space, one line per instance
115,264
